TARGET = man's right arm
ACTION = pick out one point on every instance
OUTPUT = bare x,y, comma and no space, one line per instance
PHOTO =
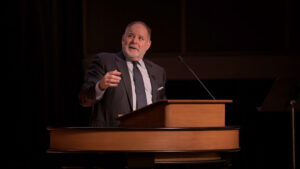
95,72
99,92
93,89
110,79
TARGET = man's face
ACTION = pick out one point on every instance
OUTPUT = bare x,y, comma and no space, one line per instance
135,42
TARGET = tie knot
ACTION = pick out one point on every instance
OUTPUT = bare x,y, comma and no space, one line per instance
134,63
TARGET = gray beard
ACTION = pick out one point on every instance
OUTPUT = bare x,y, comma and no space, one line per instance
127,55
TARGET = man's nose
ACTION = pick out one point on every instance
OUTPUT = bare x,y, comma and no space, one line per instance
134,40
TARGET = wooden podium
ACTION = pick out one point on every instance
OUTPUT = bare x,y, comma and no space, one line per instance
172,131
178,113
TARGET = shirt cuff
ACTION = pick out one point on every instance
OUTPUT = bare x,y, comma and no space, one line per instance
99,92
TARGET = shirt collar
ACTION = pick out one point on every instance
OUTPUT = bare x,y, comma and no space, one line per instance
140,62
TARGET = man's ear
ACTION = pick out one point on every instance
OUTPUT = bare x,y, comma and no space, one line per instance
122,39
149,44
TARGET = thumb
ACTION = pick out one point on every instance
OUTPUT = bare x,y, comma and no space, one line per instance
116,71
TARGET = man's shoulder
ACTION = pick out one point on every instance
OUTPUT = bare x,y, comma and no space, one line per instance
107,56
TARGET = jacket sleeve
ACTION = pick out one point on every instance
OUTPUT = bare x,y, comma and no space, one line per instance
95,72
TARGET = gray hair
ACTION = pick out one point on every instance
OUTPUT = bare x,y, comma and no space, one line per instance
139,22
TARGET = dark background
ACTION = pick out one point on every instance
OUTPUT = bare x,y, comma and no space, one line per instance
240,49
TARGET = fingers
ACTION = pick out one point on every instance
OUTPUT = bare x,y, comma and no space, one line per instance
110,79
115,72
114,76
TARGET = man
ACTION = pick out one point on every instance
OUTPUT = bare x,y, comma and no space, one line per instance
118,83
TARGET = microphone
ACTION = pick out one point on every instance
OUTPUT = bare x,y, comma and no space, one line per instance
195,75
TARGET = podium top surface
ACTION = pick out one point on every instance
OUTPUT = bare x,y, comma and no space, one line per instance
196,101
89,128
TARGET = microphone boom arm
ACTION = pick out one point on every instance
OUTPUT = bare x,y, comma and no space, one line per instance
195,75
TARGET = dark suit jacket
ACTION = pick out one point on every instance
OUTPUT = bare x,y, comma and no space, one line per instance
116,100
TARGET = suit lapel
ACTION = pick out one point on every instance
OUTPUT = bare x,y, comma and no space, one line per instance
122,66
153,79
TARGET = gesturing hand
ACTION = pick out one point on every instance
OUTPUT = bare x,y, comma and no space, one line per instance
110,79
